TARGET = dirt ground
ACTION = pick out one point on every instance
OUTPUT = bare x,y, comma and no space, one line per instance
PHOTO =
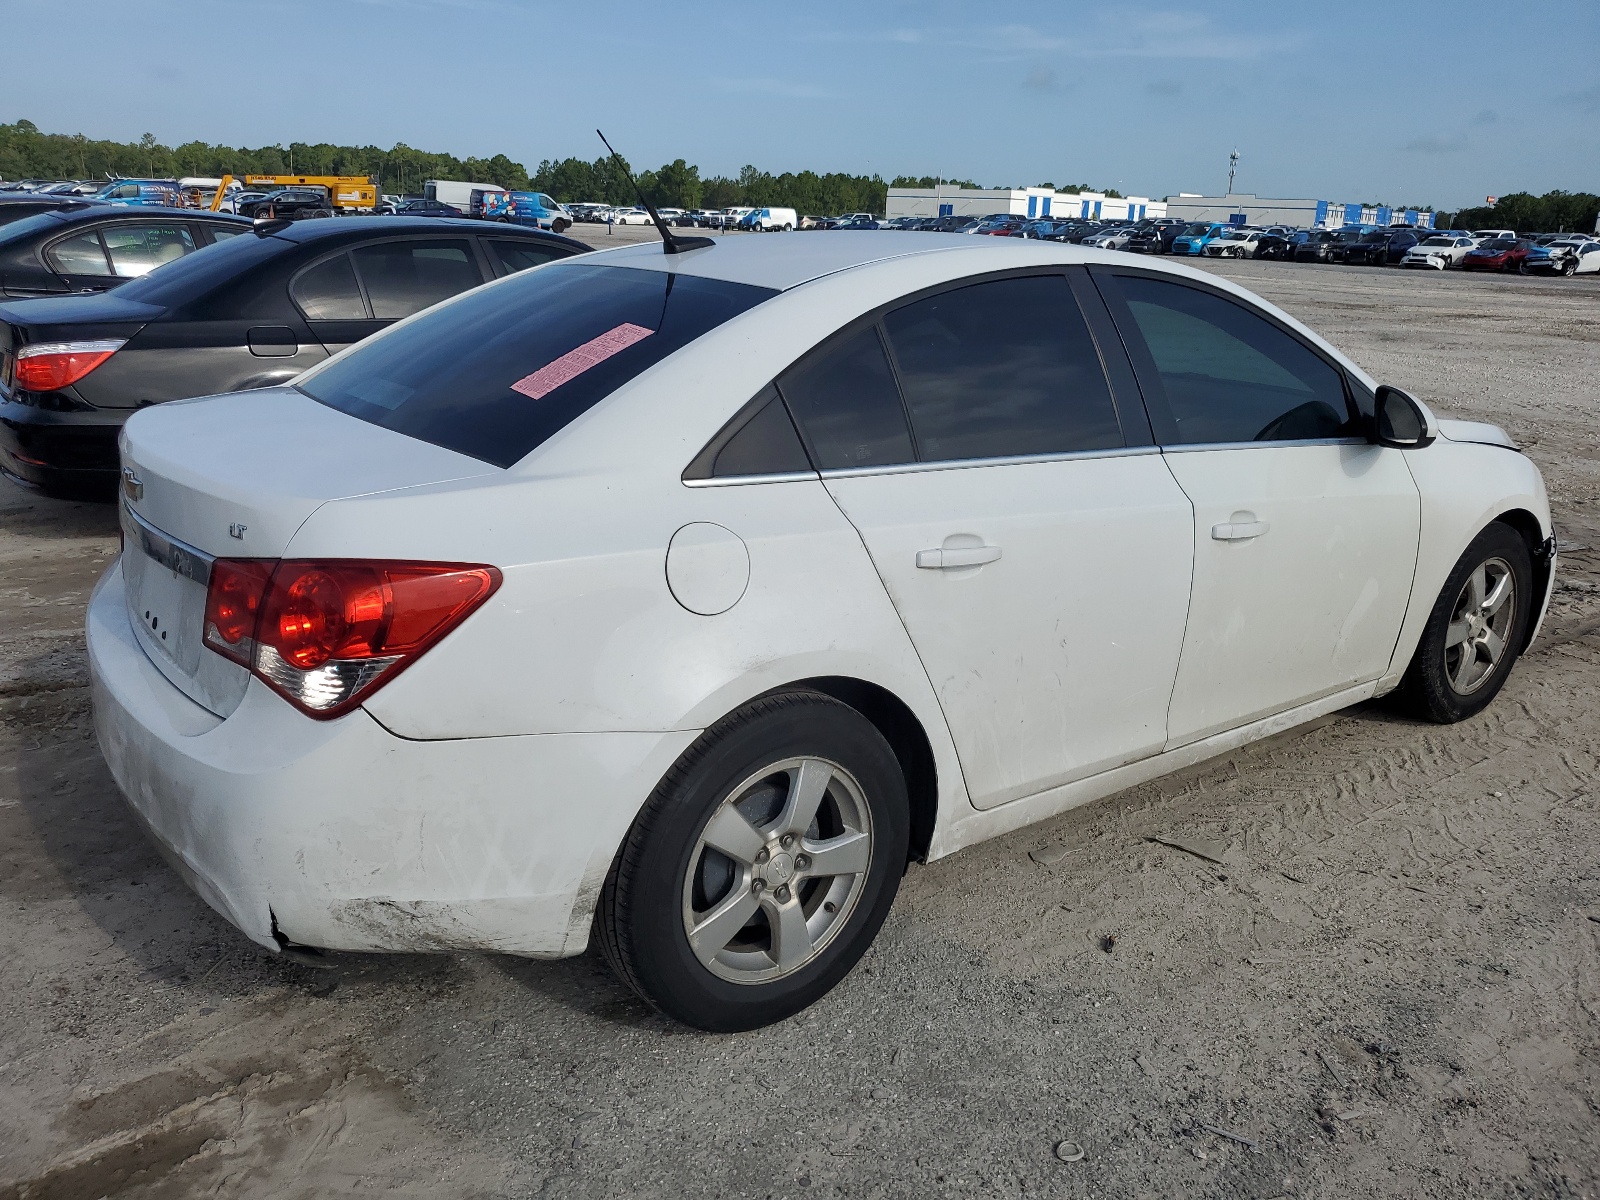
1388,987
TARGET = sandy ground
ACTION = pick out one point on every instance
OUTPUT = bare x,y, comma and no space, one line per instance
1388,985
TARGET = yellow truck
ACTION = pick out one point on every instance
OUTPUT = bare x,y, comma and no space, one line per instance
346,193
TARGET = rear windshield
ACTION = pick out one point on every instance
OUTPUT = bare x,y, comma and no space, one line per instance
499,370
194,275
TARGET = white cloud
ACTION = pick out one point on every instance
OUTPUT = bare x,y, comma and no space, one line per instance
773,87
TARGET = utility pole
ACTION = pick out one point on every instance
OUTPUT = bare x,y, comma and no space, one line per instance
1233,165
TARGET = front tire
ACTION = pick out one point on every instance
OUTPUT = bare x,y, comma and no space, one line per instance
762,866
1475,631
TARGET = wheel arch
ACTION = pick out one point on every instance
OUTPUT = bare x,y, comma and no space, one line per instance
901,728
1527,526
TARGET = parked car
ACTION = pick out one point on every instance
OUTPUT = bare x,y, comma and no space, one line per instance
251,312
1381,247
1494,234
95,247
1279,247
14,206
953,223
384,647
628,216
769,220
1197,236
997,225
1439,253
857,223
427,208
1234,243
1110,239
1155,238
293,204
1497,254
1568,255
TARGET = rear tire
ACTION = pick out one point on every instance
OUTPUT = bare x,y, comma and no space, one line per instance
319,212
720,909
1475,631
560,225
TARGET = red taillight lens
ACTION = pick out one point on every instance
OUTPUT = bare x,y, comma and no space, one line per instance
233,601
325,633
49,366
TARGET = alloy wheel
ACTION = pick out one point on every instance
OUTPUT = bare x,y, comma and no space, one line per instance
1485,613
777,870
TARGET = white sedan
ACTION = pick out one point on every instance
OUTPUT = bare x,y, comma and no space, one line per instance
682,599
1111,239
1234,243
1439,252
629,216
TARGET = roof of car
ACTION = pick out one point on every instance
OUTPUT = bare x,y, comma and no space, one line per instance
302,232
77,214
784,261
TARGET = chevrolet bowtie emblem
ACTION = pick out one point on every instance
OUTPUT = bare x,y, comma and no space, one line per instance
132,485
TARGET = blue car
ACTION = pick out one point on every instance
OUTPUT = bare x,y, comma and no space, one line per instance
139,192
525,208
1198,236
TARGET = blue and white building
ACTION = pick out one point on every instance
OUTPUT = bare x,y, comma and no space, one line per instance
1243,208
1021,202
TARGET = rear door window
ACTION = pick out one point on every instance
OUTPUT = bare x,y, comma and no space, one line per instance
402,278
79,255
137,250
844,397
1002,369
501,370
328,291
1228,374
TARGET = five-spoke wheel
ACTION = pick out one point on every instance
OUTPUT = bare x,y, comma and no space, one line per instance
762,866
1476,639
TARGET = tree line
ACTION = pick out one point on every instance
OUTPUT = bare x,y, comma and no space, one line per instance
28,153
1553,212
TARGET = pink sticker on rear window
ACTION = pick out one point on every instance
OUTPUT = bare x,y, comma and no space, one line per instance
575,362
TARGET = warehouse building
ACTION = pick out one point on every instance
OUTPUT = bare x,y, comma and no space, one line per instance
1021,202
1243,208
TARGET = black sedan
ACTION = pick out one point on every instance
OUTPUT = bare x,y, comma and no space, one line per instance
16,205
427,208
94,247
292,203
252,312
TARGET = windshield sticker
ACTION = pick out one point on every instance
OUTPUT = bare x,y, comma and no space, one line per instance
575,362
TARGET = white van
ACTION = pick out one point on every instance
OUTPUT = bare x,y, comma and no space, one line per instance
456,193
764,220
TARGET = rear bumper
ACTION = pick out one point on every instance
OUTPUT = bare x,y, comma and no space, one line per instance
341,835
60,450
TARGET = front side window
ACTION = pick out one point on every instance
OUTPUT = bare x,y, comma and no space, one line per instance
402,278
80,255
499,371
137,250
1002,369
329,292
1230,375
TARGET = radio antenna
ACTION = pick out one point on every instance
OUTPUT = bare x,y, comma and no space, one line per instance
670,243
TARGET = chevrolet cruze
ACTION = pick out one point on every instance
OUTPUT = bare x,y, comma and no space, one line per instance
681,600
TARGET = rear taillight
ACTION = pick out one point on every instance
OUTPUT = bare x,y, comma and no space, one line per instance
50,366
326,633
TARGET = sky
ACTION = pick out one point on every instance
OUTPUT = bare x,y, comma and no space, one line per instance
1346,102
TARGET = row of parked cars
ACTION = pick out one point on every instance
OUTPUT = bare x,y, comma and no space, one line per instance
1396,245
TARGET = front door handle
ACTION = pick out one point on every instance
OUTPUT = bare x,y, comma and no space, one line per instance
946,557
1242,528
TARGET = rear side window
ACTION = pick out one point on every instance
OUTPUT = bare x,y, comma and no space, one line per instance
137,250
1230,375
499,371
1002,369
517,255
221,233
80,255
402,278
329,292
844,397
760,440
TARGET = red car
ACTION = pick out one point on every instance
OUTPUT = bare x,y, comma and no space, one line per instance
1498,254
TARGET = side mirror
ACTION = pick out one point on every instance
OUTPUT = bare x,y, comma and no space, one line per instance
1399,421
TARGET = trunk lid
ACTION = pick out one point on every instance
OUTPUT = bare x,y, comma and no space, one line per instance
234,477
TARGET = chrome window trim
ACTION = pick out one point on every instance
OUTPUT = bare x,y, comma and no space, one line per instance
178,557
961,464
1186,448
731,480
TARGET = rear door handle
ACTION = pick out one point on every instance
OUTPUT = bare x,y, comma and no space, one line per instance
1238,531
956,556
